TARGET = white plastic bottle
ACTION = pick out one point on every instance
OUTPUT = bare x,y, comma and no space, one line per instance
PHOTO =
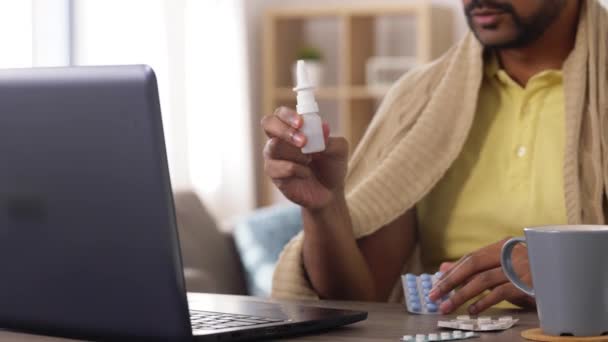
308,108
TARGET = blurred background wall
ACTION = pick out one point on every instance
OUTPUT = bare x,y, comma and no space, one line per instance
208,58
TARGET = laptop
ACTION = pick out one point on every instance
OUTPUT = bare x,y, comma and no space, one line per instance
88,239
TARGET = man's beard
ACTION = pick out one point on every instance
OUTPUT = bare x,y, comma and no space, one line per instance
528,29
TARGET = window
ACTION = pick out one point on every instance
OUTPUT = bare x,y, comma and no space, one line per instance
202,79
202,76
113,32
16,33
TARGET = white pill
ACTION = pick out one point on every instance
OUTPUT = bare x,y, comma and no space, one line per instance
488,327
453,325
483,320
463,317
466,326
469,334
407,338
457,334
420,338
506,319
446,336
433,337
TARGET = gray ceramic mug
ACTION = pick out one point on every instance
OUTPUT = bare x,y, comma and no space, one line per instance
569,267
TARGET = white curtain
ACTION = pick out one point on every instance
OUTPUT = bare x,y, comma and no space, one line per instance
16,33
198,50
219,137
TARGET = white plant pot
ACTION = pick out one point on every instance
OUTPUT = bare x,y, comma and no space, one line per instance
315,71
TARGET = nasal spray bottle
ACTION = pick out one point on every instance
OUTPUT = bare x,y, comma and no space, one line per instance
308,109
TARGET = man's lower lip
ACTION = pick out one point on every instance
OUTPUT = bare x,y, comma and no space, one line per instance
486,19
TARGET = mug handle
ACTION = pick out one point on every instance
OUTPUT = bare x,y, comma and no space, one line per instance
507,265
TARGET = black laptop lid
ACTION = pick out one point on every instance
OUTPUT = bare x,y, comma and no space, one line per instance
88,243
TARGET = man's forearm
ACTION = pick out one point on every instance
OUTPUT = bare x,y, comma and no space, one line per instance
335,265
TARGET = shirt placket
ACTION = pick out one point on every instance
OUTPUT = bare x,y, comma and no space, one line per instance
522,148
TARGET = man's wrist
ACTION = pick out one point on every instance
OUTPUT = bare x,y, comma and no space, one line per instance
336,203
334,212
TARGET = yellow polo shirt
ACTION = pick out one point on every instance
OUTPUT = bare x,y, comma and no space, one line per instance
509,174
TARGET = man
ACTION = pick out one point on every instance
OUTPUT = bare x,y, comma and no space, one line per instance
504,131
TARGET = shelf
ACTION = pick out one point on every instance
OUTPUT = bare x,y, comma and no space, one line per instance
334,93
295,12
365,92
324,93
348,36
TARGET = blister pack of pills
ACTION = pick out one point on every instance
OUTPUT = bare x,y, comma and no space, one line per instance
479,324
443,336
416,292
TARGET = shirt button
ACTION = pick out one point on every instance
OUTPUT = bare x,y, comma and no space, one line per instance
521,151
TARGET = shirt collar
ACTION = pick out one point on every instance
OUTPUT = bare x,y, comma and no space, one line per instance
493,70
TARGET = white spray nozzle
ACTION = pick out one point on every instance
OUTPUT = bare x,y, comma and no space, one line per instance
305,90
303,83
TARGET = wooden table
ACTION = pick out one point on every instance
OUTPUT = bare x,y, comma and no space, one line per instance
389,322
386,322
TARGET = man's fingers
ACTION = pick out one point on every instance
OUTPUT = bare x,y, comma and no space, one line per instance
497,295
326,131
464,269
280,150
282,169
446,266
289,116
482,260
477,285
275,127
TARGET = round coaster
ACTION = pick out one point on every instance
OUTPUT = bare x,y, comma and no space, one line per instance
537,335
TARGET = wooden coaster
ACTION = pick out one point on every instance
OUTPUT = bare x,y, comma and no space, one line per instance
537,335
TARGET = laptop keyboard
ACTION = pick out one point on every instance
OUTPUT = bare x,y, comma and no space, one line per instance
204,320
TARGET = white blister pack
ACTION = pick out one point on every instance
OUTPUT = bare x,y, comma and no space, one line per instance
442,336
416,291
482,323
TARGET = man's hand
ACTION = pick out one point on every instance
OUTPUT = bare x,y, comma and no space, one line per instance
481,271
311,180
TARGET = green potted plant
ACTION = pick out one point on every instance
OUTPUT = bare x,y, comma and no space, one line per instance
314,64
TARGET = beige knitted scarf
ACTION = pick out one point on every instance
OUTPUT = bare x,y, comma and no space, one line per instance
421,127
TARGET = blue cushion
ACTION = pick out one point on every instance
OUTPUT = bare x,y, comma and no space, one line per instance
260,238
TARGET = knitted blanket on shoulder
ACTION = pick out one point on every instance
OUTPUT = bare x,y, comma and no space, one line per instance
423,122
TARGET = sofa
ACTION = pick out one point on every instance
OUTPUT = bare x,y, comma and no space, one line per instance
239,262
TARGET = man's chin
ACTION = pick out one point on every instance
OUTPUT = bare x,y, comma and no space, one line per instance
496,41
